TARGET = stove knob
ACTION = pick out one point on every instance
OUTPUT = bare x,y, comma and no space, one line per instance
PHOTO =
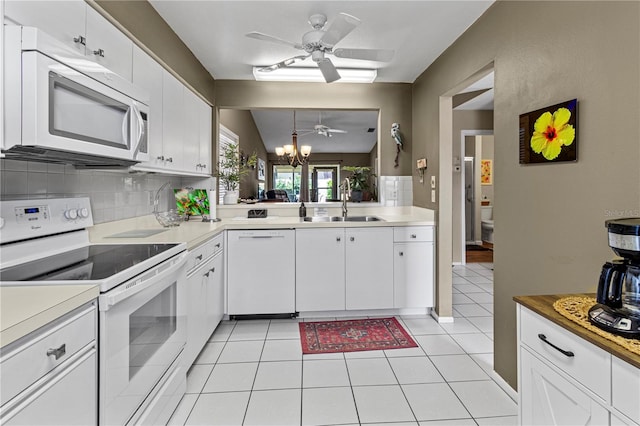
71,214
83,213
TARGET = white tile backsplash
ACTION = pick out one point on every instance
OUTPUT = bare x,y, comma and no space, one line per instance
396,190
114,195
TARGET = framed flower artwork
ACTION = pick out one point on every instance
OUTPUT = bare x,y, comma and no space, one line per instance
549,135
486,172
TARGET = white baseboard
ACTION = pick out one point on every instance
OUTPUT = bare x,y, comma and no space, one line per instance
513,394
441,319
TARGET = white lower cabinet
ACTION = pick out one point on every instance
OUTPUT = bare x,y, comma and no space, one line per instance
564,379
205,282
546,398
413,272
369,268
49,377
261,272
320,269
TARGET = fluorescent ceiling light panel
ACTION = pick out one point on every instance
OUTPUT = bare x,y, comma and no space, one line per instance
313,75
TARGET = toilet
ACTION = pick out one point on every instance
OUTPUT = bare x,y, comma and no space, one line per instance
487,224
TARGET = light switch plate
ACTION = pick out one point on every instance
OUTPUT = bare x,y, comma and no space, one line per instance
433,182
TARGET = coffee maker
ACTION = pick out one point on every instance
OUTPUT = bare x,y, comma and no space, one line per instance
618,297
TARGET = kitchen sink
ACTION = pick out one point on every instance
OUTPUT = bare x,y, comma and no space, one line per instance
342,219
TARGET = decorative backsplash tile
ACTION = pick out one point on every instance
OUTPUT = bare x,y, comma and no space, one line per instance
396,190
114,195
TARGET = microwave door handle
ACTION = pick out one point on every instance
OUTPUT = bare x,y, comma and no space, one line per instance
140,131
115,296
125,127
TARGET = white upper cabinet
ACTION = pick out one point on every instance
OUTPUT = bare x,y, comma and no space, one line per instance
191,131
107,45
147,74
173,119
205,165
63,20
80,27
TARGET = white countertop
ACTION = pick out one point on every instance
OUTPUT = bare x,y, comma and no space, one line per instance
24,309
195,232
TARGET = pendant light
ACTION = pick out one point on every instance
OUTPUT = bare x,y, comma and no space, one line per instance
290,152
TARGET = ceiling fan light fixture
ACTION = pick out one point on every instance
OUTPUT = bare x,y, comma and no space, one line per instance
314,75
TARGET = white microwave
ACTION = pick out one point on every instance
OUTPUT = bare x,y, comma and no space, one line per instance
62,107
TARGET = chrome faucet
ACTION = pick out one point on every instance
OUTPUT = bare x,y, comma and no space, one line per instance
346,194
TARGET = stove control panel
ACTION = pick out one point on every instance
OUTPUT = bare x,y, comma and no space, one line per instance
23,219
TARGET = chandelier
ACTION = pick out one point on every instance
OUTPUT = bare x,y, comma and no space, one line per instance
290,152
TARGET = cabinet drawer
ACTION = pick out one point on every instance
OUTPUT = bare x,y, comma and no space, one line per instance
589,365
412,233
26,360
626,388
205,250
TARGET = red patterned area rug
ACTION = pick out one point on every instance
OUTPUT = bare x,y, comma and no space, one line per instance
325,337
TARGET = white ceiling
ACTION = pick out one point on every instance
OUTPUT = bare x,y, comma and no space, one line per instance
276,126
418,31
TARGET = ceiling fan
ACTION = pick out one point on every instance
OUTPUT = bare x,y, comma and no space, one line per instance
321,129
320,42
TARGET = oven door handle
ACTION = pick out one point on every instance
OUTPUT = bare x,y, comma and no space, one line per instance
141,283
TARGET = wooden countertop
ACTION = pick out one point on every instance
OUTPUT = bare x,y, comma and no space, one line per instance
24,309
543,305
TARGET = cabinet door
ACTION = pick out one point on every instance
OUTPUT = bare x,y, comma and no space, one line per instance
191,132
413,275
546,398
214,309
369,268
205,133
196,290
147,74
63,20
69,399
320,260
172,121
107,45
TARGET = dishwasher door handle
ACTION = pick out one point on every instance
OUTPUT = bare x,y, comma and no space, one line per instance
260,236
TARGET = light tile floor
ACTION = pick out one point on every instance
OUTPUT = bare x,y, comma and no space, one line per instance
254,373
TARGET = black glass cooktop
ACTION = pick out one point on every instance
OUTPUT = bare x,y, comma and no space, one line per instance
94,262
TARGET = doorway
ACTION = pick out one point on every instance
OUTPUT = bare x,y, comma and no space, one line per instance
324,183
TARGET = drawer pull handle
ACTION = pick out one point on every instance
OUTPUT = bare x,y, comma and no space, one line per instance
401,253
58,352
338,239
352,238
218,245
413,235
199,257
565,353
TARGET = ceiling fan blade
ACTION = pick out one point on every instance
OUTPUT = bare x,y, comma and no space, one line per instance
266,37
342,25
378,55
336,131
283,64
329,71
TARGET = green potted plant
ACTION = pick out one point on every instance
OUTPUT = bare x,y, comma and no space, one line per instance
231,169
360,181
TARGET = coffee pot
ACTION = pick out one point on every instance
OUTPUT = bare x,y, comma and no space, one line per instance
618,298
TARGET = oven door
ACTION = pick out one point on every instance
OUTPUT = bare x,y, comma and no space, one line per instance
142,332
64,109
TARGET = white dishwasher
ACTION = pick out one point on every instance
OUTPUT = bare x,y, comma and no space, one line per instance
261,272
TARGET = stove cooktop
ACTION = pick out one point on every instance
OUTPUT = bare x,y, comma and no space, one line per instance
90,263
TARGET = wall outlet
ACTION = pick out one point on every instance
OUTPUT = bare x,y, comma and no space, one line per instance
433,195
433,182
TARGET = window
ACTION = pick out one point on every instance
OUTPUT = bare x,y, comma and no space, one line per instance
287,178
226,137
323,183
